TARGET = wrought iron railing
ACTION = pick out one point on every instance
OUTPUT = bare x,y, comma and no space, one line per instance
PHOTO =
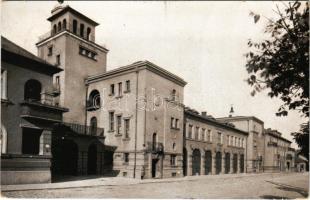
85,130
155,147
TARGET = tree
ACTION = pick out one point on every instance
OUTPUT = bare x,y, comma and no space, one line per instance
281,63
302,139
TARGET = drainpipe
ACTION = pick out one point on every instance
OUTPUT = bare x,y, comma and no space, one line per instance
136,121
85,122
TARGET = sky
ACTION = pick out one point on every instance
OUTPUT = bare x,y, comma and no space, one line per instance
202,42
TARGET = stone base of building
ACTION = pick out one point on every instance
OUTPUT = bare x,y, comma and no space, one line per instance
22,169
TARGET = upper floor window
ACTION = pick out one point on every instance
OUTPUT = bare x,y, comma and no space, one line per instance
127,85
94,101
50,51
228,140
176,123
203,134
54,29
173,94
32,90
111,120
209,136
173,160
197,133
126,158
93,126
112,89
3,84
190,129
64,24
59,26
74,26
88,33
120,89
172,122
127,127
154,141
82,30
58,59
219,138
119,124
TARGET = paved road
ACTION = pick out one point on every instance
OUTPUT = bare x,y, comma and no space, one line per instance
285,185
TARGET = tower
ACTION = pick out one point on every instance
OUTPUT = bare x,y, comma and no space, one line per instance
70,44
231,112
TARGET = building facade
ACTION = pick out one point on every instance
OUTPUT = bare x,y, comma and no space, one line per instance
212,147
29,111
255,141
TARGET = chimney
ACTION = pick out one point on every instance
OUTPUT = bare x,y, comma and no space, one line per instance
204,113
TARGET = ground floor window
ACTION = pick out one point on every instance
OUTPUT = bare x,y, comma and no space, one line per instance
173,160
31,141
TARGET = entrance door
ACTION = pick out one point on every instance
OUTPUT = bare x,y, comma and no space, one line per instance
218,162
184,162
242,163
208,166
196,162
92,160
154,167
227,163
235,163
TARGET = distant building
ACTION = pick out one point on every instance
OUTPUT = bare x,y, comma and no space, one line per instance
279,156
29,110
255,141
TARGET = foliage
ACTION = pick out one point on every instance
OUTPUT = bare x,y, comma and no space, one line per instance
281,63
302,139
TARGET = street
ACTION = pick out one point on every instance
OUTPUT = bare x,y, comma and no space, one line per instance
269,185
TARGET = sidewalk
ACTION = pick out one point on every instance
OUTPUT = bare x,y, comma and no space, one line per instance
118,181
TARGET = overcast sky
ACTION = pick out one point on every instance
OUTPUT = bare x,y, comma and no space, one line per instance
202,42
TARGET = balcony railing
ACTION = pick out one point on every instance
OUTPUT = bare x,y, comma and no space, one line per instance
155,147
56,89
85,130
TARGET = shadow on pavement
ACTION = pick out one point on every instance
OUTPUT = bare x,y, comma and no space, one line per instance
290,188
272,197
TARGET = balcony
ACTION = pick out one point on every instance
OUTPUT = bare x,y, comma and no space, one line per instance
274,144
155,147
45,109
56,89
84,130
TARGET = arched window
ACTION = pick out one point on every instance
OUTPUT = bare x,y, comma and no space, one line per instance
82,30
32,90
94,101
54,29
93,126
64,24
59,26
154,141
88,33
74,26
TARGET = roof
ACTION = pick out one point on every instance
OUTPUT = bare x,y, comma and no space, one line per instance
17,55
211,120
134,67
276,134
237,118
73,11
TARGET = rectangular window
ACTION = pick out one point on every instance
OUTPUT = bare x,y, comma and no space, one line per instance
197,133
57,80
4,84
111,117
173,160
58,59
126,158
112,89
176,123
209,136
50,51
127,85
172,122
119,124
228,140
127,127
190,130
203,134
219,138
120,89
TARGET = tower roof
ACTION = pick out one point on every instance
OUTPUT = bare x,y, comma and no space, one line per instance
73,11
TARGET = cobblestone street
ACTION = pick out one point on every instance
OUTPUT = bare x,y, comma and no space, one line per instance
284,185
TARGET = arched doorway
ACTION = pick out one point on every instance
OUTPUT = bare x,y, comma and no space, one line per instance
241,163
92,159
184,162
235,163
208,164
218,162
196,162
65,157
227,163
